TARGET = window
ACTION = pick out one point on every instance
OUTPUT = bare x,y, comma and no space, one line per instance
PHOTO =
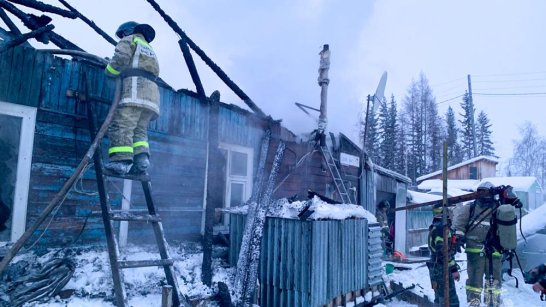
16,142
238,172
473,172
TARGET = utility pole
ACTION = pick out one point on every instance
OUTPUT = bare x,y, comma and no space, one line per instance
446,229
471,100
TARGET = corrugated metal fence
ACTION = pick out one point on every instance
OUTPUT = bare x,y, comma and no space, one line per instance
310,263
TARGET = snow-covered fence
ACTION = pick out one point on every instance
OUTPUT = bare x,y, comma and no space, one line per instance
311,263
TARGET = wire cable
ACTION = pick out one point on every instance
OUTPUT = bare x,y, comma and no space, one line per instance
509,94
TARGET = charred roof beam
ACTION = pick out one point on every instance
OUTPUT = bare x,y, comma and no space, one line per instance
219,72
40,6
18,40
34,22
89,22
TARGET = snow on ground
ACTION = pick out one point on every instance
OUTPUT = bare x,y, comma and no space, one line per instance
419,275
93,286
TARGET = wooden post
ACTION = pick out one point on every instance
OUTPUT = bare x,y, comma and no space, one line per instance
323,82
446,229
166,296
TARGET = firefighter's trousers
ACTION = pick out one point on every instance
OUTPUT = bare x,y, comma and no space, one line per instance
128,132
436,271
478,269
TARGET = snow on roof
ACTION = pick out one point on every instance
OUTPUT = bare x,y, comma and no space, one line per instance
321,210
533,221
431,184
518,183
492,159
419,197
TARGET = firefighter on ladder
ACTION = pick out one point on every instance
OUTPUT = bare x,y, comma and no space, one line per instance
136,63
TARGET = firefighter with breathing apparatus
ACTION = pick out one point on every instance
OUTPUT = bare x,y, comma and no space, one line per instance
488,228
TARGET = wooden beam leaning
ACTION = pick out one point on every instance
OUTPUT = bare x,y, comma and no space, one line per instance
24,37
219,72
45,8
57,200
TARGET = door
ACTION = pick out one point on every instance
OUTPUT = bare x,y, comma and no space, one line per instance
17,124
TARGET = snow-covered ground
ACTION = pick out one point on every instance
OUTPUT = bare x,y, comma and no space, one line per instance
511,296
92,280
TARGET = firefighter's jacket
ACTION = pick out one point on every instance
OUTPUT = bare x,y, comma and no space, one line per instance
475,237
134,54
436,245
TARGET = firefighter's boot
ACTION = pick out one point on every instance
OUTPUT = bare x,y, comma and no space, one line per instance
119,167
141,162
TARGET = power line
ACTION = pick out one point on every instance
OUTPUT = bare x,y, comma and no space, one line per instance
511,88
511,74
510,94
453,98
447,82
508,80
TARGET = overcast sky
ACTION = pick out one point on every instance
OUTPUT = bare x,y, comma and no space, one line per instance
270,49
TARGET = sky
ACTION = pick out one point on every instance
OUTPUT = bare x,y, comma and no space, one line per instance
270,49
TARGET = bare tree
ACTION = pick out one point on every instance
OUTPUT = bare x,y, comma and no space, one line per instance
529,156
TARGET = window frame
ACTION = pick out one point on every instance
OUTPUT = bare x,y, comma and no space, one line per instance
24,164
246,180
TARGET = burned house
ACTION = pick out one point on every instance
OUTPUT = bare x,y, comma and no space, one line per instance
45,98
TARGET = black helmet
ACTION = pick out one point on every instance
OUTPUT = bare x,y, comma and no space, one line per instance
146,30
126,28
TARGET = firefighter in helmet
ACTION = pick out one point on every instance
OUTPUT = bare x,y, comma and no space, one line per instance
136,63
436,263
472,223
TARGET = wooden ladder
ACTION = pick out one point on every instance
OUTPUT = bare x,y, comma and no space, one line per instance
151,217
332,166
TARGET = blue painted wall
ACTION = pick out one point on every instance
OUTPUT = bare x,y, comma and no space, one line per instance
178,140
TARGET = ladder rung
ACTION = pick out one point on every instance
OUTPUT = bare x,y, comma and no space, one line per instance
128,216
144,263
140,177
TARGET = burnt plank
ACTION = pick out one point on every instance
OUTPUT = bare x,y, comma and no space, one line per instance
26,72
5,68
16,74
36,79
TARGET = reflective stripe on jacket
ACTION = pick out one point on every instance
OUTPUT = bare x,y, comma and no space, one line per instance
134,52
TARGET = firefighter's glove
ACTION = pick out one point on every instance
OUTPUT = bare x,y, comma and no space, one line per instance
460,241
456,276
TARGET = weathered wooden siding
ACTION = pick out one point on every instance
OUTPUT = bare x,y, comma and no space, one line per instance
312,173
310,263
485,168
178,140
21,74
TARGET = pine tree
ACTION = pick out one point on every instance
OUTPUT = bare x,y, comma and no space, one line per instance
387,124
371,143
483,136
413,125
401,153
467,132
454,152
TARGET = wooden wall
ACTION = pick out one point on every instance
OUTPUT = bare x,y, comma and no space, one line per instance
486,168
178,140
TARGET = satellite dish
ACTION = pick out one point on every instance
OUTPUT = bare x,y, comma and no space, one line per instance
379,92
376,100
